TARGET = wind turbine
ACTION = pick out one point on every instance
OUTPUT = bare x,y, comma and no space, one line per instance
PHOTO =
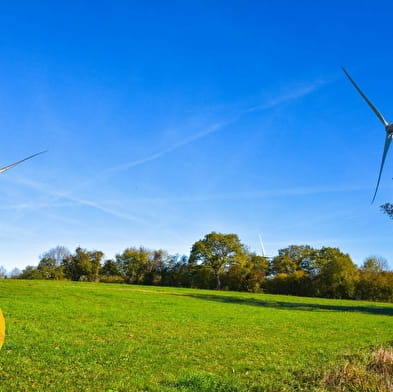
262,247
5,168
388,128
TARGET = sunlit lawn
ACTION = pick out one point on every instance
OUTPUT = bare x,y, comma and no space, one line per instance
65,336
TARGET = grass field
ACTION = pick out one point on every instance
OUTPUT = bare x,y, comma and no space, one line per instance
66,336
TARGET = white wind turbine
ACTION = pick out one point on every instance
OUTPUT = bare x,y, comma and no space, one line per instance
5,168
262,247
388,129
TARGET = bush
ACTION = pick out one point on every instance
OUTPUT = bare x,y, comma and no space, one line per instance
112,279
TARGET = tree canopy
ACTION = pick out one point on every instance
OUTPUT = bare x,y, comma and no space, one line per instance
218,252
222,261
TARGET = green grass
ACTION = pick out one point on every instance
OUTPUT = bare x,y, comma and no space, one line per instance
66,336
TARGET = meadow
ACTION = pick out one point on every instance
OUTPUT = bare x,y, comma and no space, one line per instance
71,336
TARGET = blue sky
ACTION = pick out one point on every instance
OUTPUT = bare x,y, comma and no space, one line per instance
167,120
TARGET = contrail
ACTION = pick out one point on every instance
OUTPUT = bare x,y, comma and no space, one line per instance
217,127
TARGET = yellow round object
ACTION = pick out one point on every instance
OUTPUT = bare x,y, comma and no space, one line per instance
2,328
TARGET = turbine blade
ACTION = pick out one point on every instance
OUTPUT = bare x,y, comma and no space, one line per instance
373,108
385,152
5,168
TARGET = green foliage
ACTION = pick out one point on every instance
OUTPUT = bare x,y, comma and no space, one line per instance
133,264
30,272
375,286
111,279
297,283
50,265
338,275
293,258
110,268
222,261
218,252
83,265
302,270
248,275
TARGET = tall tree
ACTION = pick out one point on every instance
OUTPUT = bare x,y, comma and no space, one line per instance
218,252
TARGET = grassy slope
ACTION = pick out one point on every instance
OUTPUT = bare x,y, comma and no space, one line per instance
64,336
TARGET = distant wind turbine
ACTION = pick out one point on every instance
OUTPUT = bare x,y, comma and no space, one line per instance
5,168
388,129
262,247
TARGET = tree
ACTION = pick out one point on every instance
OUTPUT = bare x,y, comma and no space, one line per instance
218,252
248,275
110,268
375,286
110,272
30,272
133,264
51,263
296,283
294,258
157,260
375,264
178,272
14,274
83,265
3,272
338,274
56,255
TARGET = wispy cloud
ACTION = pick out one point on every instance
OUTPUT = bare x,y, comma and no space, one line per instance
276,101
213,128
288,97
108,210
34,206
71,201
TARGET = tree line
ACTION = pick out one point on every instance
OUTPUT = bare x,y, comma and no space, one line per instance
221,261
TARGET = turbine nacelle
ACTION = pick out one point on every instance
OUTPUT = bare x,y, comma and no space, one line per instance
389,130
